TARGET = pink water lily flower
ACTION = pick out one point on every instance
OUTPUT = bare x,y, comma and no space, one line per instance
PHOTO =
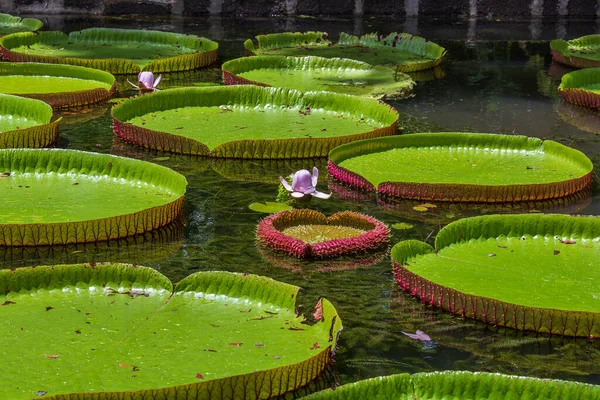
303,183
146,81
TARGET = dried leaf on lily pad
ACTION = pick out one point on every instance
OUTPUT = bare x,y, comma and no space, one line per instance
250,122
340,75
504,270
401,51
77,197
25,123
460,385
462,167
118,51
11,24
269,207
165,352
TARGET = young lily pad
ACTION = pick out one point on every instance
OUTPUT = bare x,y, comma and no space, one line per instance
269,207
581,87
340,75
250,122
466,167
58,85
583,52
402,51
11,24
458,385
26,123
64,196
78,330
528,272
308,233
118,51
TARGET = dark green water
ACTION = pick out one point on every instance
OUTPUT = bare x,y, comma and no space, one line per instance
496,81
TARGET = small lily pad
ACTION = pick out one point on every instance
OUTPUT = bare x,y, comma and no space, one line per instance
402,226
269,207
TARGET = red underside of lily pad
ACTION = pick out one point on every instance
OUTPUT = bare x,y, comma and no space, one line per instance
581,97
271,232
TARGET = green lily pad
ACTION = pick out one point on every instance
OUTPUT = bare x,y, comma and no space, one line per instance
26,123
118,51
403,51
340,75
269,207
58,85
11,24
583,52
462,167
250,121
402,226
458,385
528,272
581,87
64,196
124,331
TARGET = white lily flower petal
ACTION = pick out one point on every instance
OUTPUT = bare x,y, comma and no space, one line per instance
285,184
297,195
156,82
315,176
135,86
321,195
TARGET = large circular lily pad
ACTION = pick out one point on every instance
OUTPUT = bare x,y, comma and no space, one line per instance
340,75
58,85
64,196
250,121
402,51
463,167
26,123
121,331
581,87
459,385
118,51
11,24
527,272
583,52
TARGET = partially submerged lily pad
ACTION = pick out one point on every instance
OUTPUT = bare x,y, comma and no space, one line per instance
528,272
250,121
125,331
583,52
58,85
403,51
118,51
464,167
269,207
26,123
11,24
581,87
308,233
340,75
458,385
54,197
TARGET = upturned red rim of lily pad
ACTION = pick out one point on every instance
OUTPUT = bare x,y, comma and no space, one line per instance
297,232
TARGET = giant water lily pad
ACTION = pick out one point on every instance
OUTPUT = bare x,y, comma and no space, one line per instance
462,167
583,52
340,75
118,51
58,85
403,51
308,233
64,196
26,123
527,272
11,24
124,331
581,87
459,385
250,121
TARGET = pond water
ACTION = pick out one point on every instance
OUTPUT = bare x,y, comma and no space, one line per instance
496,80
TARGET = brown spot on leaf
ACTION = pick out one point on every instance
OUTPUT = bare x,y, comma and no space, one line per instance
124,366
210,350
238,344
199,376
556,252
568,241
248,310
48,308
7,302
315,346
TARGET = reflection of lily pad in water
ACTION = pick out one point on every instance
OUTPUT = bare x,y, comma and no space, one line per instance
213,332
462,167
580,117
119,51
58,85
26,123
250,121
11,24
65,196
583,52
340,75
527,272
402,51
